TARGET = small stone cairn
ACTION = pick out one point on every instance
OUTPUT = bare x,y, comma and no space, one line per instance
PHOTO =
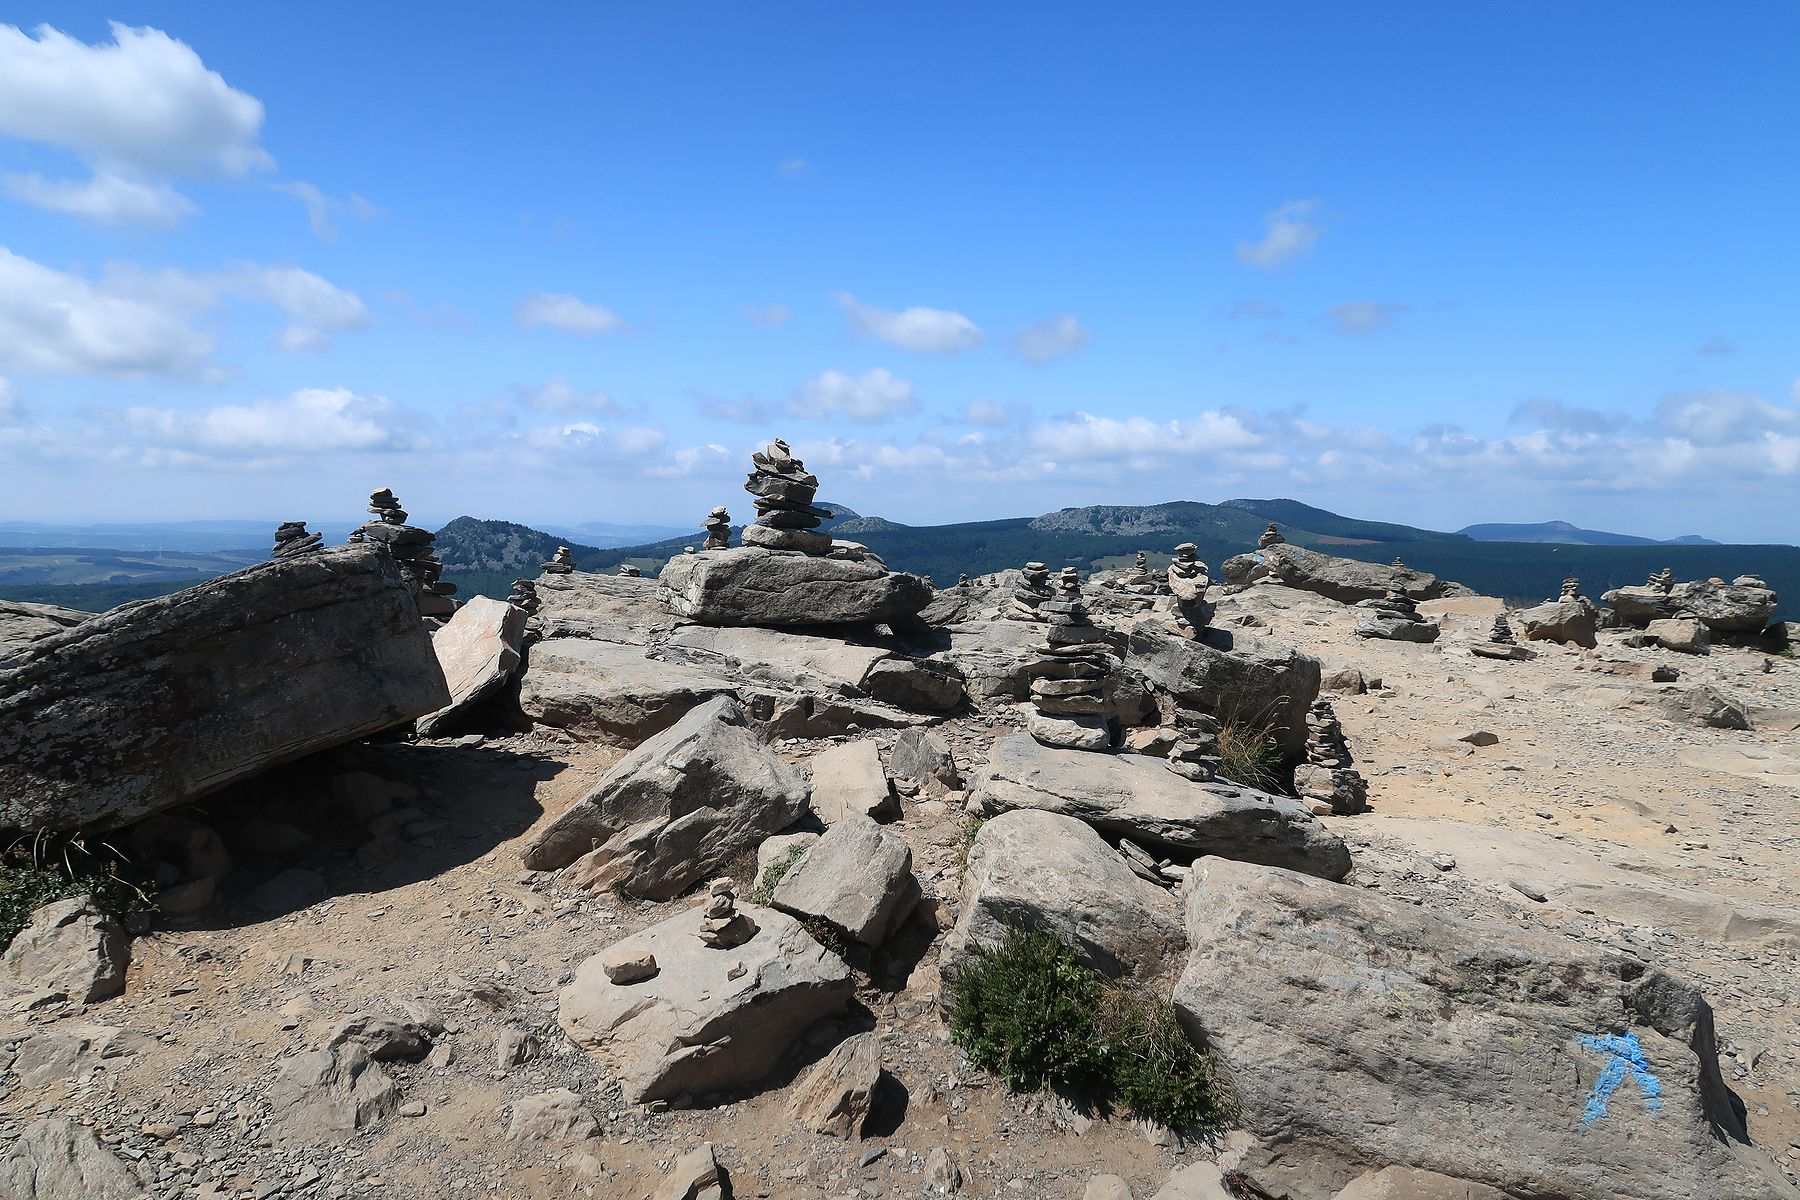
724,926
718,529
1188,579
1074,661
1663,581
411,548
1032,591
629,571
524,596
1501,643
1327,777
561,563
1395,616
1136,588
1571,589
963,580
786,518
1195,752
292,540
1270,537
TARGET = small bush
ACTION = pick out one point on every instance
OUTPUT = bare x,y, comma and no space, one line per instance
765,891
1033,1015
36,871
1248,754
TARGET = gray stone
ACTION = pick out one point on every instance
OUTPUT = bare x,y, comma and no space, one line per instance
1409,1183
780,849
1723,608
162,701
836,1095
1042,871
1230,675
611,691
849,778
1361,1031
1107,1187
710,1019
917,684
753,586
72,1052
942,1172
70,948
385,1038
1571,622
800,541
557,1115
1196,1181
1395,629
1683,635
478,649
675,810
1136,796
56,1159
922,757
21,622
696,1175
857,878
1346,580
325,1095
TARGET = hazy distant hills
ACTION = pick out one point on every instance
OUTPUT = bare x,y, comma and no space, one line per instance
1564,534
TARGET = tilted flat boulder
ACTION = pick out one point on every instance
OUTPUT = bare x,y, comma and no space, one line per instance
162,701
21,622
1721,607
611,691
1571,622
857,878
1361,1031
1346,580
1135,796
749,585
71,948
1042,871
848,779
1230,675
676,809
701,1024
478,649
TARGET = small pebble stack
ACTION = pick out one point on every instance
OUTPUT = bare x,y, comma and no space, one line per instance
724,926
718,529
1033,589
1270,537
292,540
561,563
1195,754
629,571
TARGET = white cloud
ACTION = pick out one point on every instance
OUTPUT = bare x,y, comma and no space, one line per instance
557,395
315,306
107,198
921,330
558,310
1085,436
1051,338
1360,318
1554,414
310,421
769,315
320,208
1717,417
12,409
792,166
876,395
1288,235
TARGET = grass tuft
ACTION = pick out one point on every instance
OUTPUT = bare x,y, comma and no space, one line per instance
37,870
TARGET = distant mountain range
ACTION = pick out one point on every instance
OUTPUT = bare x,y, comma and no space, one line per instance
1564,534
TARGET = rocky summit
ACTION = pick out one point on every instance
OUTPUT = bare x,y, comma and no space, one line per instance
778,873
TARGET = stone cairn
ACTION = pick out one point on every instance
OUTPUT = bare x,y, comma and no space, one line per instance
292,540
1663,581
524,596
1327,777
1074,661
718,529
1501,634
1137,587
786,518
561,563
1188,580
1571,589
1501,643
723,926
1395,616
1398,564
411,548
629,571
1195,752
1270,537
963,580
1032,591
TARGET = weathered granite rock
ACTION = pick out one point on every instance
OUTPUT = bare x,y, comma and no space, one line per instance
836,1095
1409,1183
557,1115
324,1095
696,1175
1684,635
849,779
755,586
1044,871
1361,1031
1346,580
823,665
676,809
21,622
857,878
478,649
611,691
605,608
1136,796
1572,622
70,948
702,1025
56,1159
73,1052
1230,674
1738,607
922,757
162,701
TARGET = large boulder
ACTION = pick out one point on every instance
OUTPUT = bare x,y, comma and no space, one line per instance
162,701
1745,606
836,1096
1345,580
676,809
848,779
478,649
749,585
857,878
56,1159
603,608
610,690
21,622
1138,797
1231,675
1571,622
1360,1031
1042,871
709,1019
818,665
70,948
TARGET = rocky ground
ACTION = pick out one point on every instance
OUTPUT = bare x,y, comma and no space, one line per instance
1586,810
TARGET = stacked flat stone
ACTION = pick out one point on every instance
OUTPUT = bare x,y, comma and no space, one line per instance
963,580
1501,634
629,571
1327,777
718,528
724,926
786,518
1032,590
292,540
1270,537
1195,754
1501,643
1663,581
1188,580
1398,564
1069,685
524,596
1571,589
411,548
1395,617
561,563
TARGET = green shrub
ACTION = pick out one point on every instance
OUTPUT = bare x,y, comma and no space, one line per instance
1033,1015
36,871
765,891
1249,754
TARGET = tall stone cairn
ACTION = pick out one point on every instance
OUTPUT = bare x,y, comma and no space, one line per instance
1270,537
1069,685
411,548
1188,580
1502,632
1327,777
1030,593
718,528
1395,616
1663,581
292,540
786,518
561,563
1195,754
524,596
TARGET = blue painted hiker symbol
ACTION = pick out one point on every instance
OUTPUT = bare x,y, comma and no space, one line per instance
1623,1057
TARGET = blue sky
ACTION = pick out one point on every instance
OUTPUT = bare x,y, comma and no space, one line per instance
1425,263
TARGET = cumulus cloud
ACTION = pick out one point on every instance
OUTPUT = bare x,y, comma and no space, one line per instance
1085,436
1051,338
875,395
1360,318
321,209
920,330
769,315
1718,417
989,414
107,198
558,310
557,395
309,421
12,409
315,306
1289,234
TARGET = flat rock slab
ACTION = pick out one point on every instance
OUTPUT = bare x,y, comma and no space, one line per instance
606,608
70,948
849,779
694,1027
1723,608
160,702
478,649
1362,1031
1345,580
21,622
610,691
56,1159
749,585
858,878
1131,795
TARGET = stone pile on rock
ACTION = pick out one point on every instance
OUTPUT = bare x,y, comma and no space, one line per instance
1074,662
1195,752
1136,588
1744,606
1327,776
1395,617
1571,618
1188,581
786,518
292,540
1030,593
1662,581
1501,643
718,529
628,571
411,548
561,563
1270,537
525,596
724,927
